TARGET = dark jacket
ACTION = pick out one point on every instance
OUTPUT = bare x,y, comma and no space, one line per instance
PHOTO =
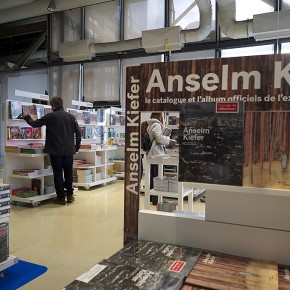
63,136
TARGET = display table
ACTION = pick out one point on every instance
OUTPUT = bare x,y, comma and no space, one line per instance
182,190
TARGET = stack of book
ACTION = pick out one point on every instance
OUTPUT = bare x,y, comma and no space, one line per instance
81,163
172,184
4,221
160,183
12,149
168,206
85,146
26,171
85,176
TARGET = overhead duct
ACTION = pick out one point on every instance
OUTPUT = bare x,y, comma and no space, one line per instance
117,46
75,50
204,29
185,36
39,7
228,24
272,25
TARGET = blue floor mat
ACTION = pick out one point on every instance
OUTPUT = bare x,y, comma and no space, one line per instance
20,274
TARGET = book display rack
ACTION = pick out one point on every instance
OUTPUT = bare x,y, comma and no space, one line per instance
94,164
26,167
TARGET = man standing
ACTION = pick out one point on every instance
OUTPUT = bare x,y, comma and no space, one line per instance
63,138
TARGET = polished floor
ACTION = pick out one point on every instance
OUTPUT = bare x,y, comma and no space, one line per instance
70,239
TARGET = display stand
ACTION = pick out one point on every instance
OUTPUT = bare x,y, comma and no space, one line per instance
7,260
12,260
182,190
22,152
97,172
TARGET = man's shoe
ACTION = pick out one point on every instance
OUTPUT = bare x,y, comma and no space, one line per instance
60,201
70,199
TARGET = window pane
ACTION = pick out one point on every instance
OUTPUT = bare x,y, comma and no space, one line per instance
285,4
64,82
102,22
101,81
66,26
246,51
186,15
192,55
285,47
245,9
140,15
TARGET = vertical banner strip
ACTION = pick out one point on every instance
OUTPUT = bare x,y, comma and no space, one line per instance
132,154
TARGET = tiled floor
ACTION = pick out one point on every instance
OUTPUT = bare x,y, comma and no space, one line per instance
70,239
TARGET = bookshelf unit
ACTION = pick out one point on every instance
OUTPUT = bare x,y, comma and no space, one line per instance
92,164
26,168
116,137
183,189
95,170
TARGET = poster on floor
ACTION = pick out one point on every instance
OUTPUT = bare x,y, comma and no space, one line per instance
211,143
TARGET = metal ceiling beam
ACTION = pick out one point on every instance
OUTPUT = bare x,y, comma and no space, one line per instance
30,50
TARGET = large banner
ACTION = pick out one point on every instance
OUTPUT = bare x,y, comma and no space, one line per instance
262,83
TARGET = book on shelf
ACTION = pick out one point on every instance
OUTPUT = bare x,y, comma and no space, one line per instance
26,133
122,120
47,110
87,117
94,118
88,132
39,111
12,149
83,131
80,117
113,119
26,172
30,110
13,132
173,120
15,110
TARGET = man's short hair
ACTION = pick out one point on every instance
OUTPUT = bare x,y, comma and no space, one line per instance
56,102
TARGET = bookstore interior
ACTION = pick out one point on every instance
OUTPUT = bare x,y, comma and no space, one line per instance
211,211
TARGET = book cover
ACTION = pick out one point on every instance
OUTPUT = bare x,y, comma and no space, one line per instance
172,120
93,118
47,110
88,132
211,143
26,133
30,110
83,132
80,117
15,108
13,132
87,117
36,133
113,119
39,111
122,120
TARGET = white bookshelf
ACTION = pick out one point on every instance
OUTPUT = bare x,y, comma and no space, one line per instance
96,173
17,161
